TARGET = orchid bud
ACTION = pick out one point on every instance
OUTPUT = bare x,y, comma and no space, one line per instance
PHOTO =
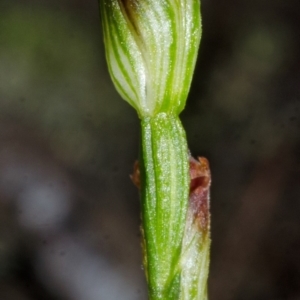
151,49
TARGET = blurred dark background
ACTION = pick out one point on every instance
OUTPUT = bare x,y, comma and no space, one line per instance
69,214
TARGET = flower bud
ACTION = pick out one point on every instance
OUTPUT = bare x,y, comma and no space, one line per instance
151,49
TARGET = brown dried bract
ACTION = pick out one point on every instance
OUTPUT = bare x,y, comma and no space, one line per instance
199,191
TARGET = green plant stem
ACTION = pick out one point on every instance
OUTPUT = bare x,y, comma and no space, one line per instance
151,50
165,193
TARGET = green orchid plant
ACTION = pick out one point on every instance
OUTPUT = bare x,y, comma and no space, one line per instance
151,50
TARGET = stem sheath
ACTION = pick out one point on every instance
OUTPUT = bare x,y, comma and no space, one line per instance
165,194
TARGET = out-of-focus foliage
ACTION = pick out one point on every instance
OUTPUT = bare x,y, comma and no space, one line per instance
52,73
69,214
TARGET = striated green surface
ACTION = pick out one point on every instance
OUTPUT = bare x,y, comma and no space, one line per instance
165,189
194,260
151,49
